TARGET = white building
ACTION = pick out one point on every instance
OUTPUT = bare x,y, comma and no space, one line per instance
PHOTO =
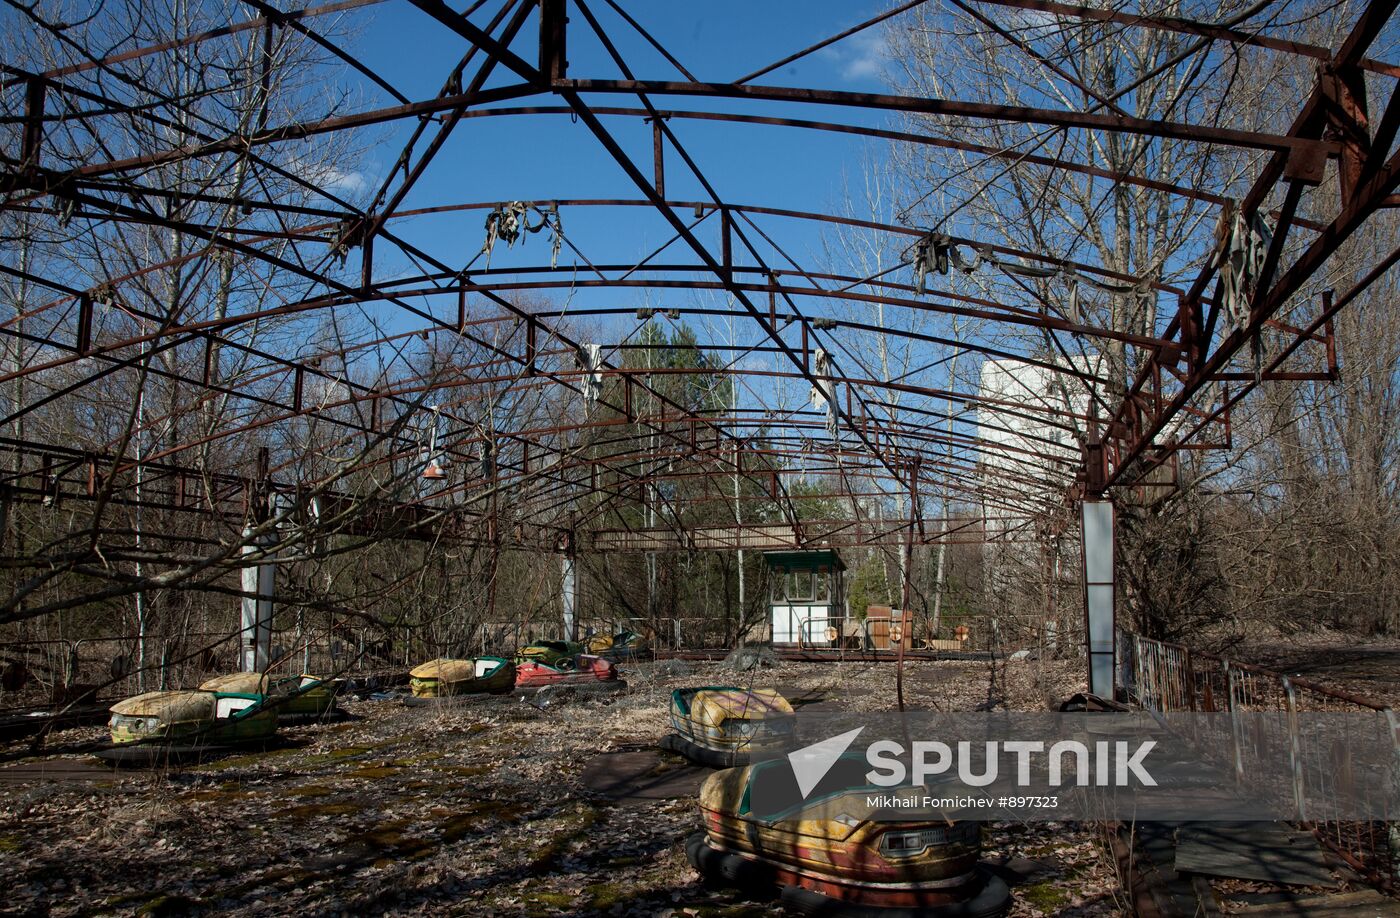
1030,424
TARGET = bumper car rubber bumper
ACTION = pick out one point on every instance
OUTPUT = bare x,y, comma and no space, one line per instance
989,896
702,755
158,755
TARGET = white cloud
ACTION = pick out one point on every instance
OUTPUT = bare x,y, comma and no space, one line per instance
344,183
859,58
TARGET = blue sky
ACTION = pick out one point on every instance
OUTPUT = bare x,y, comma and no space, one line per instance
545,157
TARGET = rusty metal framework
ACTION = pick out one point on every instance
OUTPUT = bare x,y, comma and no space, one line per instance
68,163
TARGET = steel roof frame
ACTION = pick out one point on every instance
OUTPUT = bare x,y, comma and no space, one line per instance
878,437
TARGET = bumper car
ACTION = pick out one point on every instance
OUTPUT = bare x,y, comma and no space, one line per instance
168,726
625,645
830,858
298,699
238,683
306,698
585,670
718,725
556,654
475,676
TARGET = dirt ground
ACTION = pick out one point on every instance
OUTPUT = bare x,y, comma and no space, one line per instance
1371,669
1335,659
469,809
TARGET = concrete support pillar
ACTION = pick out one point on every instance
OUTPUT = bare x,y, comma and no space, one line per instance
570,599
1096,517
260,578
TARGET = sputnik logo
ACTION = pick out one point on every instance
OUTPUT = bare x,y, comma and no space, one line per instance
811,763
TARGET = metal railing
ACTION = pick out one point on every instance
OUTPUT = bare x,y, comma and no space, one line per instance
1165,677
109,665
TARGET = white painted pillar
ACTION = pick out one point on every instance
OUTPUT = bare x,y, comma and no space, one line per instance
255,641
570,598
1096,517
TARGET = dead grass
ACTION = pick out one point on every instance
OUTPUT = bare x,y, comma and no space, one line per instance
461,809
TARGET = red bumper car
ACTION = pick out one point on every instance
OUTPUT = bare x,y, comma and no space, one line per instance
583,670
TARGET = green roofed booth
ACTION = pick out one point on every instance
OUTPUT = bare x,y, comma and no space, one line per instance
807,600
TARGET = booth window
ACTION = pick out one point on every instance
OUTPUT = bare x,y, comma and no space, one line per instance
799,585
